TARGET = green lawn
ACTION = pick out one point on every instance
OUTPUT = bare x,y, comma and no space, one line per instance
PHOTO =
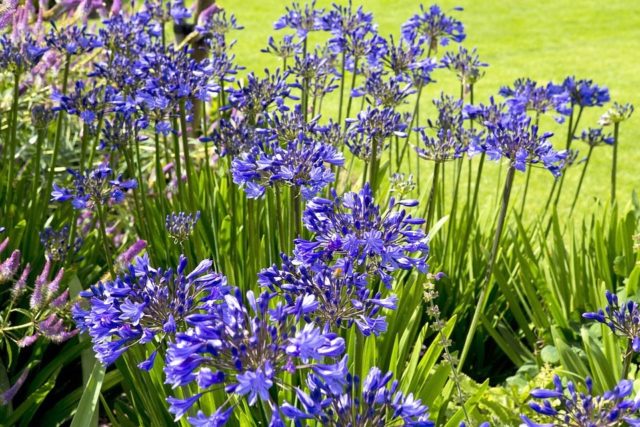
543,40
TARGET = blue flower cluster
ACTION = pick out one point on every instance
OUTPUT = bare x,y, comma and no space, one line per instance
352,234
341,400
94,187
510,134
465,64
565,406
291,152
451,139
623,320
432,27
373,127
527,95
181,225
242,344
143,304
585,93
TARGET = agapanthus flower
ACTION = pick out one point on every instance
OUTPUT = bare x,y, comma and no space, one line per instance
314,73
623,320
181,225
433,27
510,135
303,21
179,12
172,77
86,102
95,186
348,402
466,65
354,35
242,344
351,231
257,95
565,406
144,305
401,57
21,55
283,49
386,92
232,135
73,40
373,126
301,161
584,93
527,95
451,138
41,116
56,243
616,114
330,296
214,20
595,137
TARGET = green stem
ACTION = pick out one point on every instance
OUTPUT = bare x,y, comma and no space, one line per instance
342,79
492,259
353,85
105,241
582,175
614,166
373,171
187,157
13,127
432,196
414,117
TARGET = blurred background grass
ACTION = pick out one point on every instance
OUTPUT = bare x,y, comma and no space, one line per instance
543,40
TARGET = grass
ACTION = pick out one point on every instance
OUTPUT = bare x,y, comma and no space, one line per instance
543,40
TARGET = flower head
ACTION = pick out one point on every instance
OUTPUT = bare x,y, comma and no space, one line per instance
93,187
566,406
623,320
143,304
433,27
376,400
181,225
616,114
585,93
595,137
240,343
373,126
527,95
465,64
351,232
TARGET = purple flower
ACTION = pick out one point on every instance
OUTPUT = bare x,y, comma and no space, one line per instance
433,27
243,343
330,296
181,225
258,95
302,21
255,383
136,307
595,137
527,95
585,93
567,404
73,40
292,152
465,64
56,243
93,187
348,402
379,91
285,48
345,228
623,320
451,139
373,126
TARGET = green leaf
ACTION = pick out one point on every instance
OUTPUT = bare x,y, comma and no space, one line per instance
89,401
